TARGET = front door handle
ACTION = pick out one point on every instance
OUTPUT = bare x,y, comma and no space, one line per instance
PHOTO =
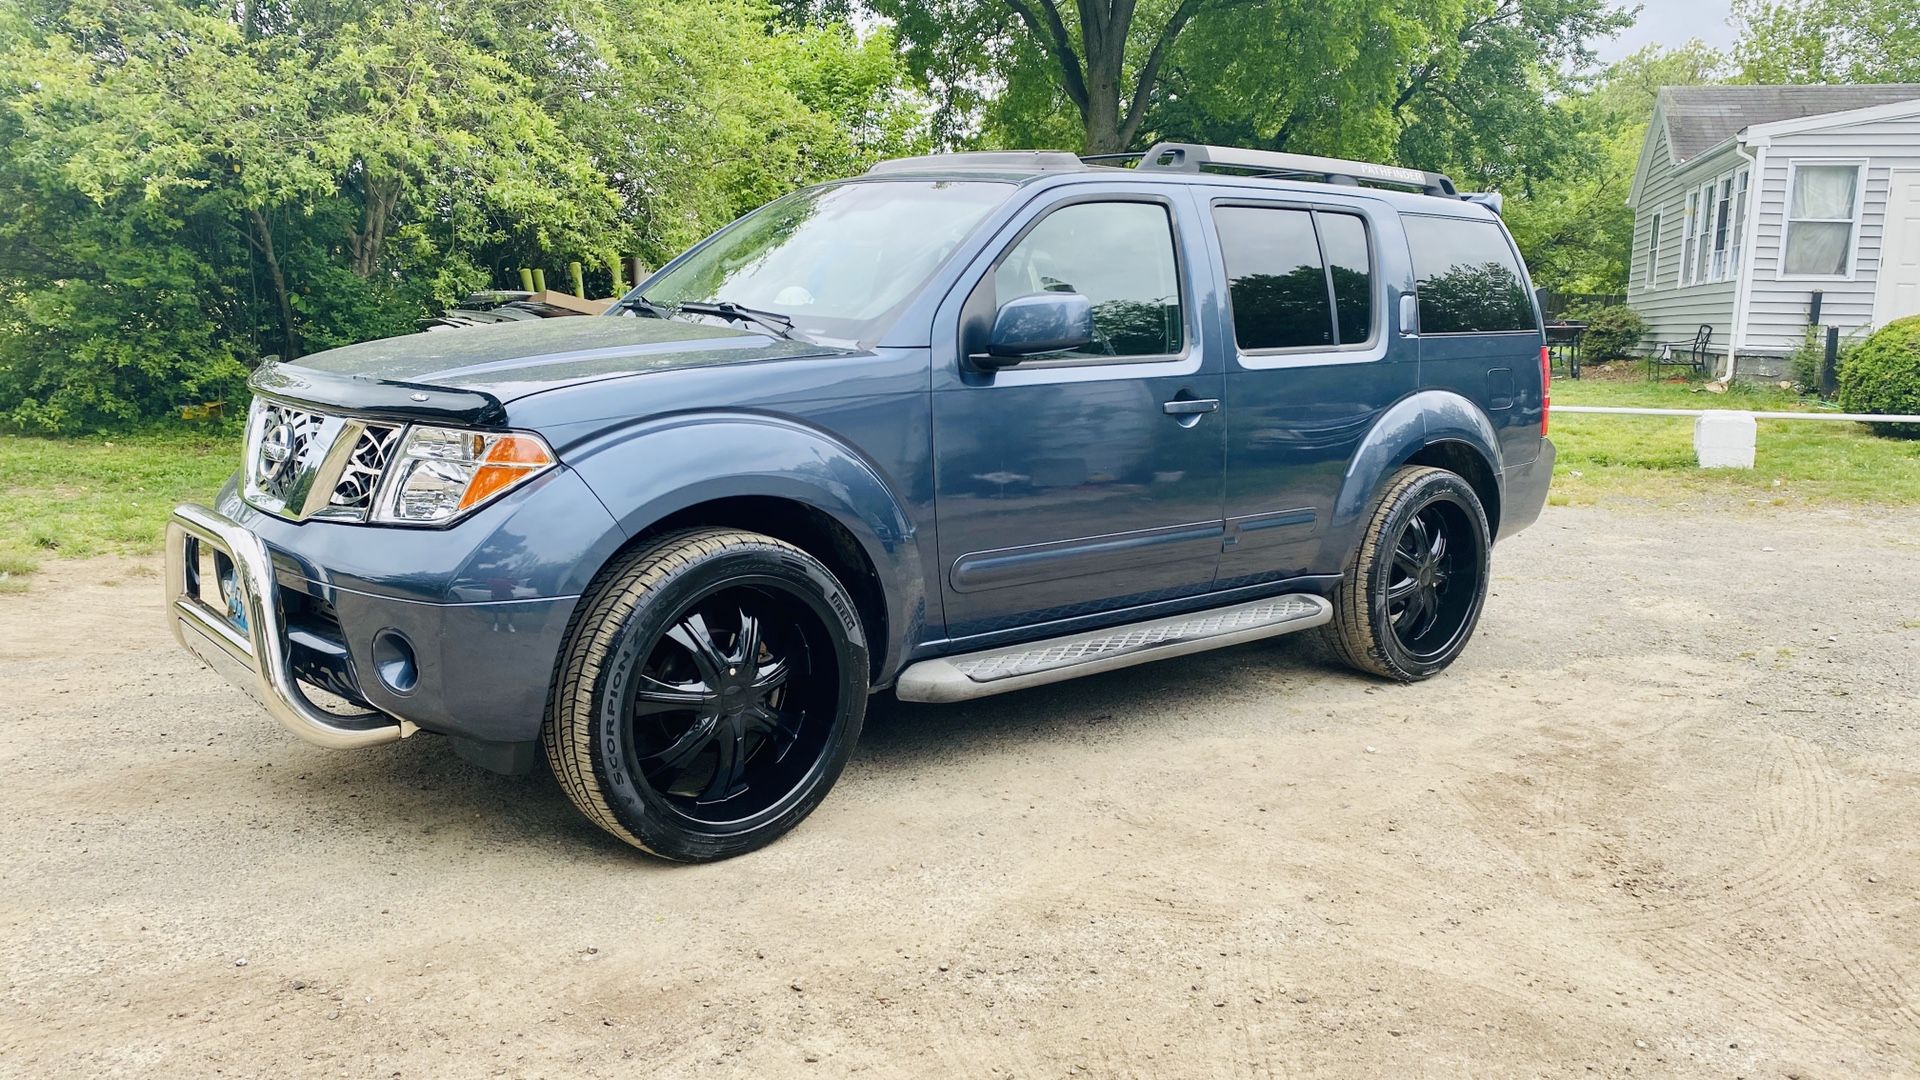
1190,406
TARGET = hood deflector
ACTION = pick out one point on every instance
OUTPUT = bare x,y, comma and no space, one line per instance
379,398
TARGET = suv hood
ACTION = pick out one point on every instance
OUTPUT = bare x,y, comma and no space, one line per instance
491,365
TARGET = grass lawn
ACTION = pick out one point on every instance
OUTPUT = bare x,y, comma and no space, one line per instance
1652,457
101,495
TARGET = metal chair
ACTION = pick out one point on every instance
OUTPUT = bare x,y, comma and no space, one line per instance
1563,345
1687,354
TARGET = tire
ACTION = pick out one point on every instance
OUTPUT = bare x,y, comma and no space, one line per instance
1401,611
711,690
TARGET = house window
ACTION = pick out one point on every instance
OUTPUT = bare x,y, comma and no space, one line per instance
1690,237
1820,221
1653,253
1715,227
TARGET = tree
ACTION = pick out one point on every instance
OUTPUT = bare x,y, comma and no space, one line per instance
1575,227
1827,41
203,182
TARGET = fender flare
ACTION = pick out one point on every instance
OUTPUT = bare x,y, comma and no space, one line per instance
1408,426
645,472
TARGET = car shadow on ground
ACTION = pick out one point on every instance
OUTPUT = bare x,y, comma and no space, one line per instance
421,791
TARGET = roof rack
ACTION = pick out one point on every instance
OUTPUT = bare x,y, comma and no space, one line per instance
983,161
1193,157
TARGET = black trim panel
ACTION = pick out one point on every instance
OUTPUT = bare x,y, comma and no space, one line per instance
1008,567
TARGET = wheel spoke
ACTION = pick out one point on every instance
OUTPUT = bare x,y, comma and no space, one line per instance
655,696
1406,561
729,767
767,719
691,634
678,755
746,646
1422,542
1439,550
1402,589
771,675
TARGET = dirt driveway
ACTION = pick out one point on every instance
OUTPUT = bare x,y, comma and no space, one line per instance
1661,820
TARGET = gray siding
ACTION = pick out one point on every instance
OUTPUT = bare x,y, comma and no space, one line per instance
1777,310
1673,311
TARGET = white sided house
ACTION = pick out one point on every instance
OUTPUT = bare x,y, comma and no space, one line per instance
1748,200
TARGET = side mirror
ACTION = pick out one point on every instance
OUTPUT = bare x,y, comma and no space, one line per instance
1040,323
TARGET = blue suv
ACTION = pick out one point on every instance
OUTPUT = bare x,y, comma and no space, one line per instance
966,424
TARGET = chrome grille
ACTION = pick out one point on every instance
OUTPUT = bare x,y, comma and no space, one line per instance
302,463
365,464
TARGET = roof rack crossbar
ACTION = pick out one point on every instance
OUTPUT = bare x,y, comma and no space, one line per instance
1193,157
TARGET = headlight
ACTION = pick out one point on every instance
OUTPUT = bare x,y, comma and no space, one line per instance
441,473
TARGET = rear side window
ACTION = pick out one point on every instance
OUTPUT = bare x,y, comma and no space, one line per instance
1468,279
1120,256
1297,279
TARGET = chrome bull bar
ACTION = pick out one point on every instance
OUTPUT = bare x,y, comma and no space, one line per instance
247,643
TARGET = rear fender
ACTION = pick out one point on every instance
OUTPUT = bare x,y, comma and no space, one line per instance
1411,424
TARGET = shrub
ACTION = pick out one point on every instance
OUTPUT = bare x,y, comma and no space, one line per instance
1803,363
1612,332
1882,375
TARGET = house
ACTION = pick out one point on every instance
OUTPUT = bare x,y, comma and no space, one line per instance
1750,201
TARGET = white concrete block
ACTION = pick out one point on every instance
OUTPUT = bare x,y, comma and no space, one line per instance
1724,440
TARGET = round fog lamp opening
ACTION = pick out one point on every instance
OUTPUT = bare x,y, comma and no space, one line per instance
393,660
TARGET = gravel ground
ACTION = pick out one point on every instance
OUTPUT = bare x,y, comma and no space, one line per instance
1658,821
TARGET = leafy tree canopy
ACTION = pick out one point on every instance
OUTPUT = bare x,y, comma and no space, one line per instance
1827,41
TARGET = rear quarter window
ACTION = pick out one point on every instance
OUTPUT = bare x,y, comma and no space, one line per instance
1467,277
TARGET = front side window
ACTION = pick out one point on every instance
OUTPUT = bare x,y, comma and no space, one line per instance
837,260
1296,278
1120,256
1820,213
1467,277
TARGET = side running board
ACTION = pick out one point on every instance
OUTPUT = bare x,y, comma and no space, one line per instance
1016,667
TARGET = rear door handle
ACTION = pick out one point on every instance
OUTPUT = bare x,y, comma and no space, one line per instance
1190,406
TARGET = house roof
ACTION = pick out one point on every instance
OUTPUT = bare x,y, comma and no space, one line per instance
1699,118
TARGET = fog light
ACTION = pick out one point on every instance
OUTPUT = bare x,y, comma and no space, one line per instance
393,659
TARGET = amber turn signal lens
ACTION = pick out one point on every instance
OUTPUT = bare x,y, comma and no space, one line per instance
511,459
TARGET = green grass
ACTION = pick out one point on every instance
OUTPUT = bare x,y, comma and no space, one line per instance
1795,462
103,495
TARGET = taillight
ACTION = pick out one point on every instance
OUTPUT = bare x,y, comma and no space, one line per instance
1546,387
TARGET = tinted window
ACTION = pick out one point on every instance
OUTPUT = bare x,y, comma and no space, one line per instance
1118,255
1468,279
1344,238
1275,278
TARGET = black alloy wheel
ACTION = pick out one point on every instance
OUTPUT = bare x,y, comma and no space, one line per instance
1409,602
713,688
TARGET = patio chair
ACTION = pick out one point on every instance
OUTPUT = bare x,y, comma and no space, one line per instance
1687,354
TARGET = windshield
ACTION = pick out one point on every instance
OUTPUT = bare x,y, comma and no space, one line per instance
836,260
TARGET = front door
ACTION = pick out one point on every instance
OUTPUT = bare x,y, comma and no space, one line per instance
1083,482
1898,294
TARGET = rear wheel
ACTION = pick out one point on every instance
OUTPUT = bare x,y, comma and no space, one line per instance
1408,604
714,687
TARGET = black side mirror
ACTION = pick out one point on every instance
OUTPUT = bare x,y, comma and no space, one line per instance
1039,323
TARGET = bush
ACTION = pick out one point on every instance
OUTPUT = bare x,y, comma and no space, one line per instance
1803,363
1612,332
1882,375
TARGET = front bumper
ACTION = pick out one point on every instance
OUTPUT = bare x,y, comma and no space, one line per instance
247,643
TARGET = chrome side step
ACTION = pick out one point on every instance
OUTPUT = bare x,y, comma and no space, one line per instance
1016,667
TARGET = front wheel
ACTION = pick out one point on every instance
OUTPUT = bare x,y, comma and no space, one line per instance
1408,603
713,688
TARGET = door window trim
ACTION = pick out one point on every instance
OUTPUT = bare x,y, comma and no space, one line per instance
1181,265
1371,350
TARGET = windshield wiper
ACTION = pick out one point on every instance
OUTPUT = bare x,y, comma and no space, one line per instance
640,305
780,324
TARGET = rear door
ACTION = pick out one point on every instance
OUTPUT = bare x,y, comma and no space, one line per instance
1065,486
1311,364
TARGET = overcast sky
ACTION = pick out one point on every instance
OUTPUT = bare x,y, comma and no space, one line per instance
1671,23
